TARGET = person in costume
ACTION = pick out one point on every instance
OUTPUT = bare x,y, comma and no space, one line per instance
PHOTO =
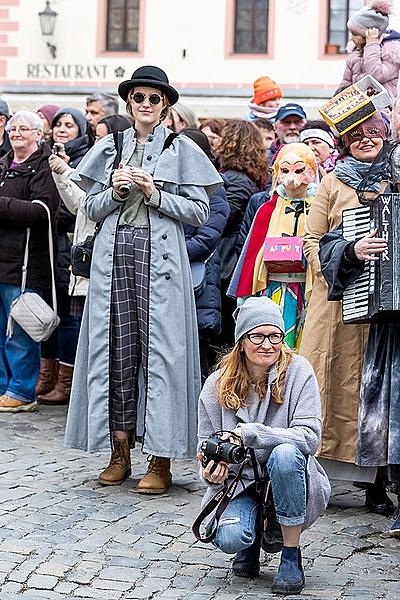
335,350
138,370
295,171
342,262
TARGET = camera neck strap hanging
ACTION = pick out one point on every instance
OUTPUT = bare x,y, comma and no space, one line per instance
220,501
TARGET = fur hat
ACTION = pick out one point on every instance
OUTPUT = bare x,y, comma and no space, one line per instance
375,14
265,88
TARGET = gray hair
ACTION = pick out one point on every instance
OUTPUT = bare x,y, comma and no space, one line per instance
26,115
186,114
109,103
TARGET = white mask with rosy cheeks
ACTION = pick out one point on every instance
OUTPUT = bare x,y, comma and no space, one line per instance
293,171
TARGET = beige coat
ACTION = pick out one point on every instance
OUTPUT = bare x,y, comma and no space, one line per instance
335,350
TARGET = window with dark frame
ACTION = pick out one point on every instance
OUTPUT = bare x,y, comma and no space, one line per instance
123,25
251,27
339,12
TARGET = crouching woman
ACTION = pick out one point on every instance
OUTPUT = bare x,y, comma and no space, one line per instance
268,397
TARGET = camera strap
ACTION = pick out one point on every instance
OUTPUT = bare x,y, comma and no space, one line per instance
221,500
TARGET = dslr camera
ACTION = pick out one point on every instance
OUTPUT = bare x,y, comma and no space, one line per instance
217,449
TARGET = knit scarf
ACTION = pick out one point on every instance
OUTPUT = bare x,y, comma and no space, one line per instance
265,112
352,172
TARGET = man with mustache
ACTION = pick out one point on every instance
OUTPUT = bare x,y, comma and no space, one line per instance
290,120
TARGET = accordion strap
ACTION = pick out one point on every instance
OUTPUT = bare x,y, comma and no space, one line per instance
51,256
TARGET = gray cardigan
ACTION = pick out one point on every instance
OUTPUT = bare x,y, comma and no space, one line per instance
296,421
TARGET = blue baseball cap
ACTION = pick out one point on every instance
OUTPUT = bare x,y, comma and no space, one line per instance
290,109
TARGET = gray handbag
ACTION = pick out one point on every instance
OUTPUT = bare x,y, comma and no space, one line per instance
29,310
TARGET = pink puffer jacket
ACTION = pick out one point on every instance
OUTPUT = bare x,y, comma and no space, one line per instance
382,61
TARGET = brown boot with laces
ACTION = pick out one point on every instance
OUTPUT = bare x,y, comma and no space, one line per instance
120,464
158,477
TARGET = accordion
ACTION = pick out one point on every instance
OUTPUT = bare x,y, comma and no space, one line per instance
375,294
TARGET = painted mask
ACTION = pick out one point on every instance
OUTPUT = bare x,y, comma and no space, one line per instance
374,127
294,171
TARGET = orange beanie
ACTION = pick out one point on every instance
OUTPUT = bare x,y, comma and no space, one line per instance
265,89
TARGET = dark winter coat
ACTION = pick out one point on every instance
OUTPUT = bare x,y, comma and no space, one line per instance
19,185
5,145
239,188
201,242
76,150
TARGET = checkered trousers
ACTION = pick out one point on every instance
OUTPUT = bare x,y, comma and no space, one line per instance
129,316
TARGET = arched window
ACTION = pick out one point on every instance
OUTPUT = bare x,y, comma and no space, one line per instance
251,27
123,25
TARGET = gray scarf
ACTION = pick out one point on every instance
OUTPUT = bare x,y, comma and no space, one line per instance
352,172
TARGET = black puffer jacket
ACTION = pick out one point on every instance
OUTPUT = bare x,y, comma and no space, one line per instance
201,242
19,185
239,188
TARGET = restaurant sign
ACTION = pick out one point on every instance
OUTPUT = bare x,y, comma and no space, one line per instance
75,72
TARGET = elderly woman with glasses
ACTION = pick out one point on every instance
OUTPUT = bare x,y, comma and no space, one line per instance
24,176
266,398
137,374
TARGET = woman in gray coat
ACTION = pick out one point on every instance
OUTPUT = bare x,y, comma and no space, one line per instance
268,399
137,371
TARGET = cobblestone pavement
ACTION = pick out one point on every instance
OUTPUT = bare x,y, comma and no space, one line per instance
64,537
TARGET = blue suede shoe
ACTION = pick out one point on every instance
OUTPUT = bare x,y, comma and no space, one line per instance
290,577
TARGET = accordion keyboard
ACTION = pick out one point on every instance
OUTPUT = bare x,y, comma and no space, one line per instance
355,304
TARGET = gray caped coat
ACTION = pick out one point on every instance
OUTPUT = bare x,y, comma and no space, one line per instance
167,405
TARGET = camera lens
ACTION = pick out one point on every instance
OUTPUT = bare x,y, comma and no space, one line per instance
237,454
125,188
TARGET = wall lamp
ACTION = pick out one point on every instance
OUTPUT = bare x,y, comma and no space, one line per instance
47,23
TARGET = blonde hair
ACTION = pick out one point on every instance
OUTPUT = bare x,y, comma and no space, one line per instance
234,381
303,151
164,113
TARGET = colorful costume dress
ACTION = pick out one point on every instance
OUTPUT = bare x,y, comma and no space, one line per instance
280,216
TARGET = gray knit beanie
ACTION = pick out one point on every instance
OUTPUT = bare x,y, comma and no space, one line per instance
376,14
254,312
77,116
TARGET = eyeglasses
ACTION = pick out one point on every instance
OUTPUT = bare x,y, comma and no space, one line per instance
259,338
139,97
22,129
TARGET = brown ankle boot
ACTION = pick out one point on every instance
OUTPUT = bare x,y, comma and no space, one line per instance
158,477
47,376
61,391
120,464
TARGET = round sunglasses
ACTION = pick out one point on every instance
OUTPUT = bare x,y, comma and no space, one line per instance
139,97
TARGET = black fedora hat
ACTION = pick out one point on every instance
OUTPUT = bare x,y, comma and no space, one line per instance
151,77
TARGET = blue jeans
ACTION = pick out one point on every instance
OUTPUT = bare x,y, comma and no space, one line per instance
19,354
63,342
287,472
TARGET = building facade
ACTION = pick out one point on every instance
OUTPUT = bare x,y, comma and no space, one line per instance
212,50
